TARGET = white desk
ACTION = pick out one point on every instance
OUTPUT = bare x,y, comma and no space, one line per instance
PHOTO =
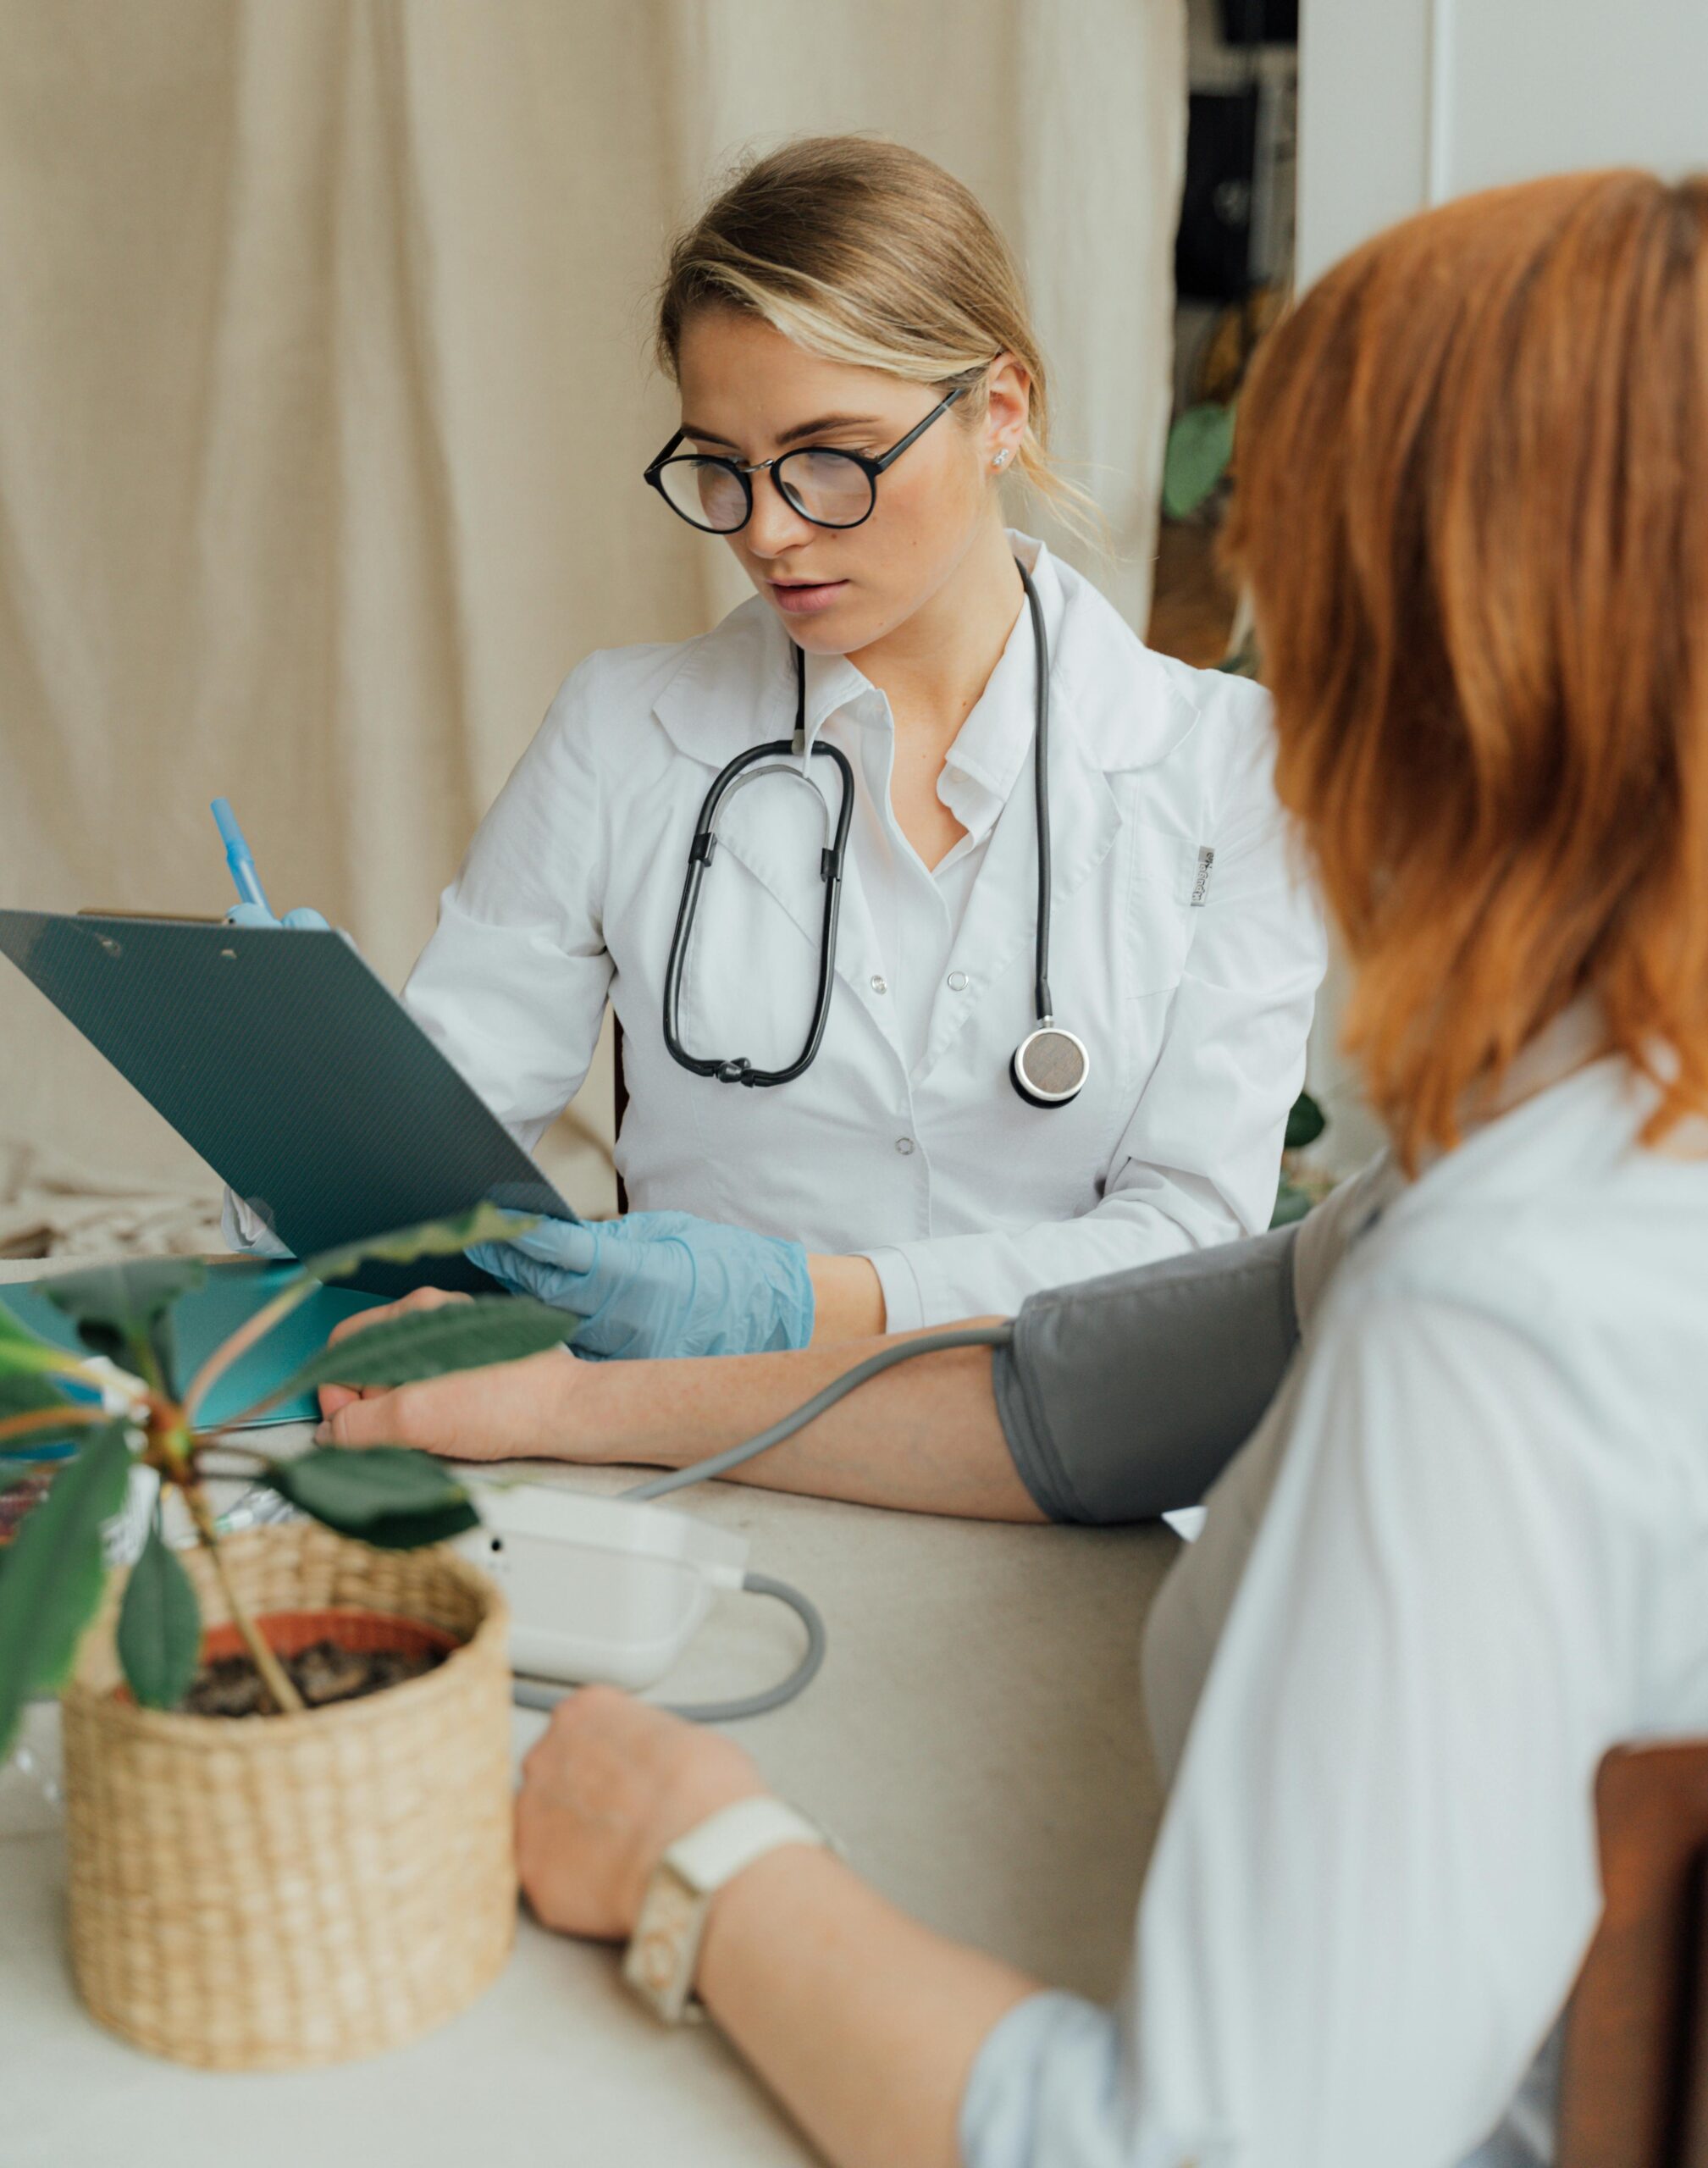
973,1738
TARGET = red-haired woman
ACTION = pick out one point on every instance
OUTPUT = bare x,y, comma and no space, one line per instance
1462,1552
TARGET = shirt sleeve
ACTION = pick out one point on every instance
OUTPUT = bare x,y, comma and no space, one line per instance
1047,2088
1200,1158
1376,1874
512,987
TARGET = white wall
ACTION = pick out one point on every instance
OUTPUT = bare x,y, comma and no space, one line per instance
1403,103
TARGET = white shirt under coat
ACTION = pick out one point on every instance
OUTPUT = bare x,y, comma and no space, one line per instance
1464,1555
905,1140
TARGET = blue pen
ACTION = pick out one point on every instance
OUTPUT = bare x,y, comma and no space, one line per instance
239,857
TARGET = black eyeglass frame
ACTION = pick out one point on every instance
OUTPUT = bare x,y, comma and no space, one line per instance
744,470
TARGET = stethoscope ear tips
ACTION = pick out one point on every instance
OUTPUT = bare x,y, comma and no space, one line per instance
1050,1067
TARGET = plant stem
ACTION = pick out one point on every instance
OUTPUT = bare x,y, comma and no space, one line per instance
287,1298
48,1418
216,1441
274,1676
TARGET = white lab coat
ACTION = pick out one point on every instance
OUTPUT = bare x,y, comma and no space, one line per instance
966,1199
1461,1557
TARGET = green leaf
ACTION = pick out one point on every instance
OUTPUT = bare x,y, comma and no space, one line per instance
127,1296
15,1336
23,1392
418,1531
159,1627
486,1223
124,1310
21,1352
1305,1123
51,1576
1201,444
427,1343
387,1494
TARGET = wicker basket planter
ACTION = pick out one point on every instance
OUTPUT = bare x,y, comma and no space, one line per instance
266,1894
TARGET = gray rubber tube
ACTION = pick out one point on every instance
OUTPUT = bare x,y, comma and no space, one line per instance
1120,1398
902,1351
541,1694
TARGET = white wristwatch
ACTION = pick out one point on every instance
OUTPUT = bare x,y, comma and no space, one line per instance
663,1948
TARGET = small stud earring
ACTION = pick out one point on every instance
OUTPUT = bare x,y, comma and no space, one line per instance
1001,460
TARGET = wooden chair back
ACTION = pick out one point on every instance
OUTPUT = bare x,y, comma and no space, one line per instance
1633,2089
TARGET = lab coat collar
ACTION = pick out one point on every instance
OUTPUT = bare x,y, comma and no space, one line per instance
735,687
1576,1039
1499,1134
994,745
1114,704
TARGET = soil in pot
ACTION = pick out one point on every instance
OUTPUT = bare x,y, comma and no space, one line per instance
324,1672
331,1654
17,1500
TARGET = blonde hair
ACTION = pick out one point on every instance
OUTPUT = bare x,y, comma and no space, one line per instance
867,253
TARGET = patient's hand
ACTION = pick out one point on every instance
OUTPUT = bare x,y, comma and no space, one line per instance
609,1787
509,1411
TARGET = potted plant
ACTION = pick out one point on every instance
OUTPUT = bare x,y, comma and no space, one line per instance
330,1880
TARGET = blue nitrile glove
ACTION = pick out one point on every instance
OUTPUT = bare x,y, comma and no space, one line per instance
662,1283
305,919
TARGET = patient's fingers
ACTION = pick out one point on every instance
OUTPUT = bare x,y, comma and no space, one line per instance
376,1418
334,1398
423,1299
506,1411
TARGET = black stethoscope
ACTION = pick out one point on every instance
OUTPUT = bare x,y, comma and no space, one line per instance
1049,1066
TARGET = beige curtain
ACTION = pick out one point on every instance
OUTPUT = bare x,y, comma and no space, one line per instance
324,392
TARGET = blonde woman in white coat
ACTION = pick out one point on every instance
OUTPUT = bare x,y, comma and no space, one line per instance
847,297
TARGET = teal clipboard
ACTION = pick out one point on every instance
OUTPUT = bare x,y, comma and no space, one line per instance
296,1075
211,1314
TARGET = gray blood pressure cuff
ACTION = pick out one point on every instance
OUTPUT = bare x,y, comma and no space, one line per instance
1125,1397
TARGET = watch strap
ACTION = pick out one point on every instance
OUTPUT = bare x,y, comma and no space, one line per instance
664,1949
720,1847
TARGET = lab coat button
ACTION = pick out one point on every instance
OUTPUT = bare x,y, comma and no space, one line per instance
879,985
958,981
904,1145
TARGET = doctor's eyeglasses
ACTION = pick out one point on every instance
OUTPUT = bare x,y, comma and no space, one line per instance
827,487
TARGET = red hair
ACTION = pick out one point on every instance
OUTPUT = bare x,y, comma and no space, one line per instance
1472,506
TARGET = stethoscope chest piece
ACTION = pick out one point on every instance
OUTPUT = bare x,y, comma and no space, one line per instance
1050,1066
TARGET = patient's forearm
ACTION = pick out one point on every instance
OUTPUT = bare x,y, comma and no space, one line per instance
864,2023
924,1437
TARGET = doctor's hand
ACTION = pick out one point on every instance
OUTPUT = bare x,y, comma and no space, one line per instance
608,1788
508,1411
662,1283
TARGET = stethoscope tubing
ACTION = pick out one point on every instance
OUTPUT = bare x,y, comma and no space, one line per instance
738,1070
1041,792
